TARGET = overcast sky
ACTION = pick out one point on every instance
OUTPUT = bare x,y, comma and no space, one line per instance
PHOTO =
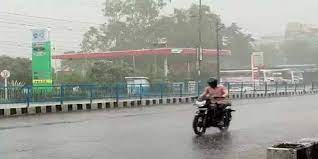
259,17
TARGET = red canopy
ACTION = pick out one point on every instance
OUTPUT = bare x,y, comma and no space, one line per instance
161,51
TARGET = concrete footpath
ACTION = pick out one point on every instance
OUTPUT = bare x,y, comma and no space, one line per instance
43,108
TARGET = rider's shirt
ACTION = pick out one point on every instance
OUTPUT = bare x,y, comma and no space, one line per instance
219,91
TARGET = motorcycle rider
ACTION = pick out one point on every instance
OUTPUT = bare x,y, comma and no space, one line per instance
216,93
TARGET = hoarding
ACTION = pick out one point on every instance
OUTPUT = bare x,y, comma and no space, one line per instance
41,58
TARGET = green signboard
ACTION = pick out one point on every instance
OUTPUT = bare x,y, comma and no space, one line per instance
41,58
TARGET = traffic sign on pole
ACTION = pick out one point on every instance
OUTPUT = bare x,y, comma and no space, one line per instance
5,74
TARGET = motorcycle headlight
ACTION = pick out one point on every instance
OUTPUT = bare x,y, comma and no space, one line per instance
199,103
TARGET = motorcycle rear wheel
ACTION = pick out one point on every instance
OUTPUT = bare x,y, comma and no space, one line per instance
227,122
224,129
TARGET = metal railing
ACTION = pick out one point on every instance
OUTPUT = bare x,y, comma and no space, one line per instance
64,93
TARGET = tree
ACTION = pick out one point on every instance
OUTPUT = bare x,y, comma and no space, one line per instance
272,54
181,28
91,40
129,24
138,24
102,72
241,46
20,68
70,78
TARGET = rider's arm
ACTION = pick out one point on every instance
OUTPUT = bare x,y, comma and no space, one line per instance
225,92
204,94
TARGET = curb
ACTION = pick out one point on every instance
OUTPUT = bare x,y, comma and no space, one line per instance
11,112
131,103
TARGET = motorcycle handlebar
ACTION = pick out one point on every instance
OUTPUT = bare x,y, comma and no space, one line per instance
219,97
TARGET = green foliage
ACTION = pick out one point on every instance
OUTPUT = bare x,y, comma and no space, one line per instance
240,45
20,68
138,24
102,72
272,55
181,29
90,41
70,78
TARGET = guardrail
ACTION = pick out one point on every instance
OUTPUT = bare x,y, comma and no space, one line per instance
63,93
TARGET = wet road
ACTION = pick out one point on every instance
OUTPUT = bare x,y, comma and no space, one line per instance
159,132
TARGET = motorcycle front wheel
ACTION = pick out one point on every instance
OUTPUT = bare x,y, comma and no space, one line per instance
198,125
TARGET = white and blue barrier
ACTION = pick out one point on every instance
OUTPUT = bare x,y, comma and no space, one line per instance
30,95
131,103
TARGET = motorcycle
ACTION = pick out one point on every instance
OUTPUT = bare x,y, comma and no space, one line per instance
211,114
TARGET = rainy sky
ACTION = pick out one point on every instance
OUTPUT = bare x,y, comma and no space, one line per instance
259,17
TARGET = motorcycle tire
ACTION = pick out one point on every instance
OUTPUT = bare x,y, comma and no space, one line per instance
224,128
227,122
197,128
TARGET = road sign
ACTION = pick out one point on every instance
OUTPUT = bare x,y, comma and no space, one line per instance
257,59
40,35
257,62
5,74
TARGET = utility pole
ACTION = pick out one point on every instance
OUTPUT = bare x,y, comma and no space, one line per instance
156,65
218,49
106,5
166,67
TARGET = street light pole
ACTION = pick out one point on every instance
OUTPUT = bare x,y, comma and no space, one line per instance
200,21
200,50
